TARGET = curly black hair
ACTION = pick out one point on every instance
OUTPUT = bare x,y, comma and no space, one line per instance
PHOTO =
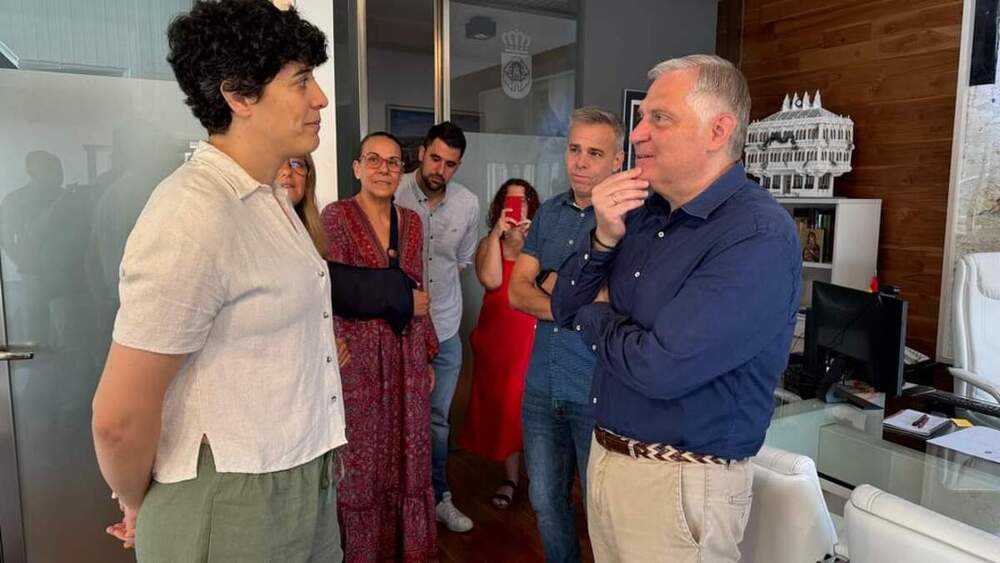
496,206
239,46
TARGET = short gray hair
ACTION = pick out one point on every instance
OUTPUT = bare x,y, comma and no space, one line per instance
593,115
717,79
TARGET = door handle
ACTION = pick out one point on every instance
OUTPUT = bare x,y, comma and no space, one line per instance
9,355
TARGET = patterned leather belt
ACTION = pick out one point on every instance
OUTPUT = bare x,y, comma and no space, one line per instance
659,452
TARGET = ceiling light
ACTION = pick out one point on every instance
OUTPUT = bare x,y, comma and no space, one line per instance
481,28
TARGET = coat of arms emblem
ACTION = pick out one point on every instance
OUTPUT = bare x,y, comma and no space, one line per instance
515,65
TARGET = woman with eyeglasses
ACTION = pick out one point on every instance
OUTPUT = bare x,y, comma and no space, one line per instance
385,500
298,177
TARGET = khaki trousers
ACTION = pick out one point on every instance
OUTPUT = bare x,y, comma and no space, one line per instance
642,511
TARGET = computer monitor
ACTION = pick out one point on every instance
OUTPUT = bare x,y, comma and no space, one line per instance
855,334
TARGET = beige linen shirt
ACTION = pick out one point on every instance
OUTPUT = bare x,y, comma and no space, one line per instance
219,267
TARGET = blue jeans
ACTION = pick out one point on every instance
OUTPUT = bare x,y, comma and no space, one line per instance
447,366
556,438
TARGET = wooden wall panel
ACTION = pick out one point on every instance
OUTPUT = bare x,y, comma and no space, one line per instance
892,66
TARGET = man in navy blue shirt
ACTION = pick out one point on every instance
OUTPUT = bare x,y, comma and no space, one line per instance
701,269
558,417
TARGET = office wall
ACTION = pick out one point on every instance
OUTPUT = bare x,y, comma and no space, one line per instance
891,65
396,77
620,41
106,37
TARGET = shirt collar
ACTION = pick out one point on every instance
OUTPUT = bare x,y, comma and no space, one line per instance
570,200
241,182
717,193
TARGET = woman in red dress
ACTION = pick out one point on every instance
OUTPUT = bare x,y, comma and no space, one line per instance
385,501
501,341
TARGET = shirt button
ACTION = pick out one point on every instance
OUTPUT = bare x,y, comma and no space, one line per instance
595,400
326,315
582,215
571,242
432,236
556,329
593,347
572,282
659,234
586,257
322,273
430,258
333,399
578,328
329,359
636,274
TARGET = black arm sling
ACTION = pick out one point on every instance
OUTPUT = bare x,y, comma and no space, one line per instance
359,292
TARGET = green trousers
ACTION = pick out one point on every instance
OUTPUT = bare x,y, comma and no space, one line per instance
287,516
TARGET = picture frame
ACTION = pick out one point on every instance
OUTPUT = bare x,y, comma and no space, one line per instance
410,125
812,241
630,118
414,121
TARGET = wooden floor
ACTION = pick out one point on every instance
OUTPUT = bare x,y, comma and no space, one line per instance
498,535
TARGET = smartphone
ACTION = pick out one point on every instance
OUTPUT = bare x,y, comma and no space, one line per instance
514,203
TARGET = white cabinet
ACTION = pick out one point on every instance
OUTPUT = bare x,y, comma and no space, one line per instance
850,251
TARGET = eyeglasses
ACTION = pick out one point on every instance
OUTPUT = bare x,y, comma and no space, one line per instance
299,166
374,161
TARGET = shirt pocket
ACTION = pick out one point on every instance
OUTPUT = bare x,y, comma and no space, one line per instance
447,237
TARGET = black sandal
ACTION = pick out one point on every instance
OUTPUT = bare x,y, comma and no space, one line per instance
501,501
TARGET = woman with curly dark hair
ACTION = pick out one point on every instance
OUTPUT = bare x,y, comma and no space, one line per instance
220,405
501,341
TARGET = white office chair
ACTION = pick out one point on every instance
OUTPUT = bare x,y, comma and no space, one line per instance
975,308
789,521
882,527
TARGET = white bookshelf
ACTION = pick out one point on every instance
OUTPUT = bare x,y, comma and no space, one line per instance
855,228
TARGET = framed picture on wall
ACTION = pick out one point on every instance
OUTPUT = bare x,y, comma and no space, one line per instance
410,125
630,117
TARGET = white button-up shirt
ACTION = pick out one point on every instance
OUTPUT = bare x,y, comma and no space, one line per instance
451,231
219,267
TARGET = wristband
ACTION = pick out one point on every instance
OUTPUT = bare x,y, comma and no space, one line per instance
609,247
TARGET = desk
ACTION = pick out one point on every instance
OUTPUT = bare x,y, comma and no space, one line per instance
846,444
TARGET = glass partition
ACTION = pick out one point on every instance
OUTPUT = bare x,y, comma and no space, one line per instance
92,121
513,84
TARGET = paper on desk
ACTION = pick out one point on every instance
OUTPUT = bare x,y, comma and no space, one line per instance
978,441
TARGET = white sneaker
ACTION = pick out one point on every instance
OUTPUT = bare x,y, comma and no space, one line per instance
451,516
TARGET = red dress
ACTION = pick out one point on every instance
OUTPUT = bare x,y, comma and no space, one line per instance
501,347
385,501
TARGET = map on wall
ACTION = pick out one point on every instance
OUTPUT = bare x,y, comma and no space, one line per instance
975,220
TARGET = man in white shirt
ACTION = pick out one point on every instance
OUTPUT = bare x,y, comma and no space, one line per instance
450,216
219,407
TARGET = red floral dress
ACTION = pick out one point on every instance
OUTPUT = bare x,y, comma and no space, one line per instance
385,502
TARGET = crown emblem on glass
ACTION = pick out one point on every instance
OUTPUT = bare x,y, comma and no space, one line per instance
516,42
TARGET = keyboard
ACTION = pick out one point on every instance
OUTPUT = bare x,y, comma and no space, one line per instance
923,391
